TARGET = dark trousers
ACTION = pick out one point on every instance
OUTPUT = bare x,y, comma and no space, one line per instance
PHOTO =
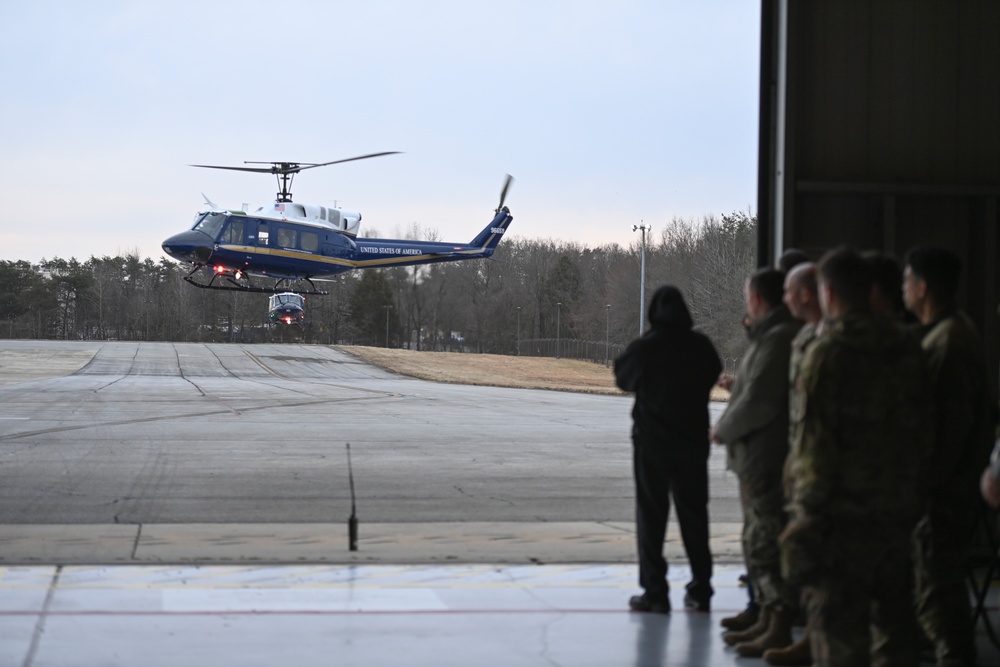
664,470
943,541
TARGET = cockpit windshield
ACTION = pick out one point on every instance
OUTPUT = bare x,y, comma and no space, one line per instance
210,224
287,299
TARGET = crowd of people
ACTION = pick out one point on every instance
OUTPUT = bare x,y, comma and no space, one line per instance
859,427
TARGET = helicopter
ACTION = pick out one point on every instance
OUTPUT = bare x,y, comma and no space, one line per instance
285,243
287,307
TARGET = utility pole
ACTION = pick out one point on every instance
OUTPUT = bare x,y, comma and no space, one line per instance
387,326
519,331
642,273
558,334
607,335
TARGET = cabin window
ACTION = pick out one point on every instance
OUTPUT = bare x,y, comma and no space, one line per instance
262,234
309,241
233,232
286,237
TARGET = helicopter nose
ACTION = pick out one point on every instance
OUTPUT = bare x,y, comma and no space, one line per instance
189,246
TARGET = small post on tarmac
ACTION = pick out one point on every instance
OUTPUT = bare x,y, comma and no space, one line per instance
352,522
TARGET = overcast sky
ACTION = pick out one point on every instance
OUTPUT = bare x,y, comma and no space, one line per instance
606,113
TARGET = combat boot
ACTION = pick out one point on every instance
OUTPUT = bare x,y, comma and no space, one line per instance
777,635
799,653
741,621
734,637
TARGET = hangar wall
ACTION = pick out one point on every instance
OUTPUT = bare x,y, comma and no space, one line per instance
880,128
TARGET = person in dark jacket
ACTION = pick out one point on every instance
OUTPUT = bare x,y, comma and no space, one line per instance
671,370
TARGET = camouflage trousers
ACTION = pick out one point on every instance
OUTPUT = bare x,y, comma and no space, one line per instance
859,599
942,548
764,518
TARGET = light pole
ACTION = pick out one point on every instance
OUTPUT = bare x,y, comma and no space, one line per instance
558,334
607,335
387,326
642,273
519,331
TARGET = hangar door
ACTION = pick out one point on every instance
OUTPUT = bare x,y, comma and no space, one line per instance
880,128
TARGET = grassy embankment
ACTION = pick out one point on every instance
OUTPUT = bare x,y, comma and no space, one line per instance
497,370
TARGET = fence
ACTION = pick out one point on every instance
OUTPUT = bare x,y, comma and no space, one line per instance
590,350
729,365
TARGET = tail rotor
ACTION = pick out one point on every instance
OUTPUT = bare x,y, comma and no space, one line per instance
503,192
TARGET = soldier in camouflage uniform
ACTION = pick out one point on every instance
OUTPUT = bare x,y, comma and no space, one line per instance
965,418
755,430
802,299
860,441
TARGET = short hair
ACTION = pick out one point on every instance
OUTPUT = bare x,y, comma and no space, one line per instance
848,275
941,269
769,284
792,257
803,276
887,277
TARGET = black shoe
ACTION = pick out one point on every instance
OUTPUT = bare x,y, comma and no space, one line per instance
697,603
652,605
698,596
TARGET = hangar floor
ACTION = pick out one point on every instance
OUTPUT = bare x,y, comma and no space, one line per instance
371,616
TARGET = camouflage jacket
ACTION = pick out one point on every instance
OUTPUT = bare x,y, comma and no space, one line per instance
802,341
860,425
755,423
964,411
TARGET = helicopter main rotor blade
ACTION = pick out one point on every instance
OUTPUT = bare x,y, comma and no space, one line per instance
259,170
283,168
350,159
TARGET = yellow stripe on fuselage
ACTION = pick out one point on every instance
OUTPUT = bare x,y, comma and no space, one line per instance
253,251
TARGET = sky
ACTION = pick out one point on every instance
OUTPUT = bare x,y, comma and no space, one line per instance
607,114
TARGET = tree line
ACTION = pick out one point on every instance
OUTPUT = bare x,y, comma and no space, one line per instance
531,291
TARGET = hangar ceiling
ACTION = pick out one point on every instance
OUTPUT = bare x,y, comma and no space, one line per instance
880,128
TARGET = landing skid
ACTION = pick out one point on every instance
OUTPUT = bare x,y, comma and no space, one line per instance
233,286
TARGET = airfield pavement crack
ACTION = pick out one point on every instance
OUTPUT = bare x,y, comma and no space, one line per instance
206,413
36,636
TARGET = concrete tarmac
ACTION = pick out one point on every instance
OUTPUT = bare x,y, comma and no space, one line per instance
162,452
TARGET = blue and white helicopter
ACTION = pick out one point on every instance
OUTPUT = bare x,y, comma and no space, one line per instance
286,307
287,242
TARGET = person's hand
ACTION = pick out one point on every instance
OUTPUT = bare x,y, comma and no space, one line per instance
990,486
797,528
